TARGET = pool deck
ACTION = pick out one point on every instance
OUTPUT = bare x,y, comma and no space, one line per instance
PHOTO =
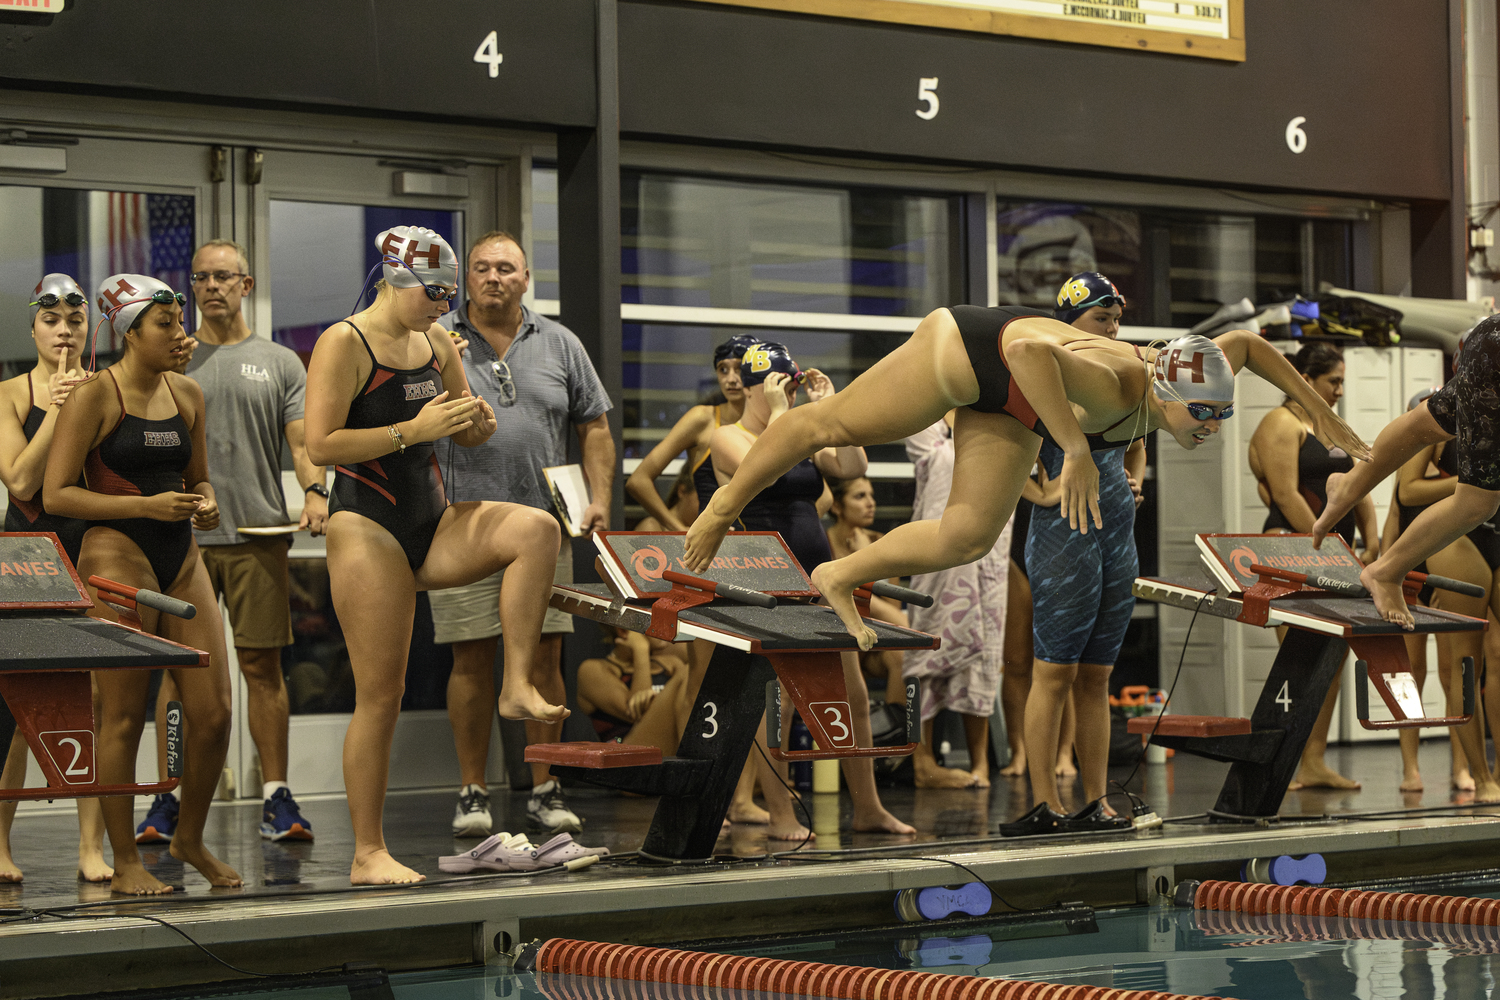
298,912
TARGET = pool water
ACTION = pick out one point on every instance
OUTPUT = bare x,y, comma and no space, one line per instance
1171,950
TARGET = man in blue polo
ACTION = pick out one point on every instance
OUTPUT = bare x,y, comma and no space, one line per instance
539,380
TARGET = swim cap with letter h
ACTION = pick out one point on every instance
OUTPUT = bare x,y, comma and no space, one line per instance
1193,367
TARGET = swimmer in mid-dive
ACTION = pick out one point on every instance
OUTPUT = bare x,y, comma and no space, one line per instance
383,385
1466,409
1010,370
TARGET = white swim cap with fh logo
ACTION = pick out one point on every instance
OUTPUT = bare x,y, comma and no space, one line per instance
1193,368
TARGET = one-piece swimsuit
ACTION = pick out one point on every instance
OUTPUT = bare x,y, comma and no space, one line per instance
29,515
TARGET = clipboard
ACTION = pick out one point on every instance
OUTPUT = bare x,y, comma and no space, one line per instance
570,495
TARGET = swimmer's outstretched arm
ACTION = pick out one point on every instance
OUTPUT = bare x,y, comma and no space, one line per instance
1249,350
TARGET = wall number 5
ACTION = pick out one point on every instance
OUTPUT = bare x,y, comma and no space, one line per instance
927,94
488,53
1296,139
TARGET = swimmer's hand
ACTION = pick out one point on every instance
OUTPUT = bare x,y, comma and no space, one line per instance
1080,492
1051,488
440,418
639,702
65,378
484,415
206,517
777,396
459,342
818,385
173,506
1332,430
1135,489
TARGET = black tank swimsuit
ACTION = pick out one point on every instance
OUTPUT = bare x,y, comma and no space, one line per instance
143,458
1315,464
704,480
1486,537
789,506
402,492
28,515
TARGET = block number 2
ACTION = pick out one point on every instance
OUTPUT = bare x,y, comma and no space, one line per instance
73,767
1284,696
488,54
927,94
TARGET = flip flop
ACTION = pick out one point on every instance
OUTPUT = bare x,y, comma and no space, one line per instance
499,853
559,850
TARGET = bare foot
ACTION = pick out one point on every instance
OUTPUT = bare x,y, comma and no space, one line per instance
1320,776
1411,781
933,776
794,831
1339,504
1065,768
219,875
981,778
878,820
748,813
134,880
522,701
8,870
840,597
1463,780
1389,599
91,866
379,868
1488,792
704,537
1016,767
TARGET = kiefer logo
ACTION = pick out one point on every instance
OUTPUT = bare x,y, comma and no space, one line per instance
421,390
162,439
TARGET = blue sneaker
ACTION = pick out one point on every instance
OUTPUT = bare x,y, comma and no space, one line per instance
160,822
281,820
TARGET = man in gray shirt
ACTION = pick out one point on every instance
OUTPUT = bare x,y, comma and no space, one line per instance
538,378
254,390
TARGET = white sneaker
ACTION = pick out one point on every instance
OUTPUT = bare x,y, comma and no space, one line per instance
471,817
548,810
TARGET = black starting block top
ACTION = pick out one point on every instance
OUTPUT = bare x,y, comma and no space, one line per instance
1340,616
40,641
36,575
1228,559
754,560
784,627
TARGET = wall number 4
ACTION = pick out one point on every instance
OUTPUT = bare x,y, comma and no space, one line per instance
1284,696
927,94
488,54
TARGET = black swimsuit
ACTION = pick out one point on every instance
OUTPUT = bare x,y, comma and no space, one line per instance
789,505
1315,464
1486,537
704,480
144,458
402,492
29,515
1468,407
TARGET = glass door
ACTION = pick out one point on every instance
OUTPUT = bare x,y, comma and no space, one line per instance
310,225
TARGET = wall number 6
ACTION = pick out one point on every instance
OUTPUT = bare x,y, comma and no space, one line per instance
1296,139
927,94
489,53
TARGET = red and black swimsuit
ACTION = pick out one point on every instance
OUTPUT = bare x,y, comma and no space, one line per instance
402,492
143,458
29,515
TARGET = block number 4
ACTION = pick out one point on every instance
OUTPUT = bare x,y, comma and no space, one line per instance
1284,696
488,54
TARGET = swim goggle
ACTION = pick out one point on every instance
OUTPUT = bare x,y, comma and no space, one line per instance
436,293
49,299
1203,411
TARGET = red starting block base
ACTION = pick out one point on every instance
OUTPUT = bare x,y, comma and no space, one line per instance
594,756
85,791
1187,725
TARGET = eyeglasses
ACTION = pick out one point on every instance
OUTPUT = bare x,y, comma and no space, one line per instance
219,277
1203,411
507,384
49,299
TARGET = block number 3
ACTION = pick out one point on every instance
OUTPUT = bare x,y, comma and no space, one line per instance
927,94
488,54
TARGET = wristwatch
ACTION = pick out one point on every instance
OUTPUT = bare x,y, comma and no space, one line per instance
319,489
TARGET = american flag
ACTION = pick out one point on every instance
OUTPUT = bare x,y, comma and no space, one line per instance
151,234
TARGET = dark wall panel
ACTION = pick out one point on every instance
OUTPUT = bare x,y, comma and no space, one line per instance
1371,78
374,54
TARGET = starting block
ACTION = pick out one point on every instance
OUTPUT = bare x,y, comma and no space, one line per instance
49,650
753,605
1275,580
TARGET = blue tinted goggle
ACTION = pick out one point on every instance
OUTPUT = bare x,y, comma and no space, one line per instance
1203,411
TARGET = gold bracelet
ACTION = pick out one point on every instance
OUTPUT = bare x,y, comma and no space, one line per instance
399,444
